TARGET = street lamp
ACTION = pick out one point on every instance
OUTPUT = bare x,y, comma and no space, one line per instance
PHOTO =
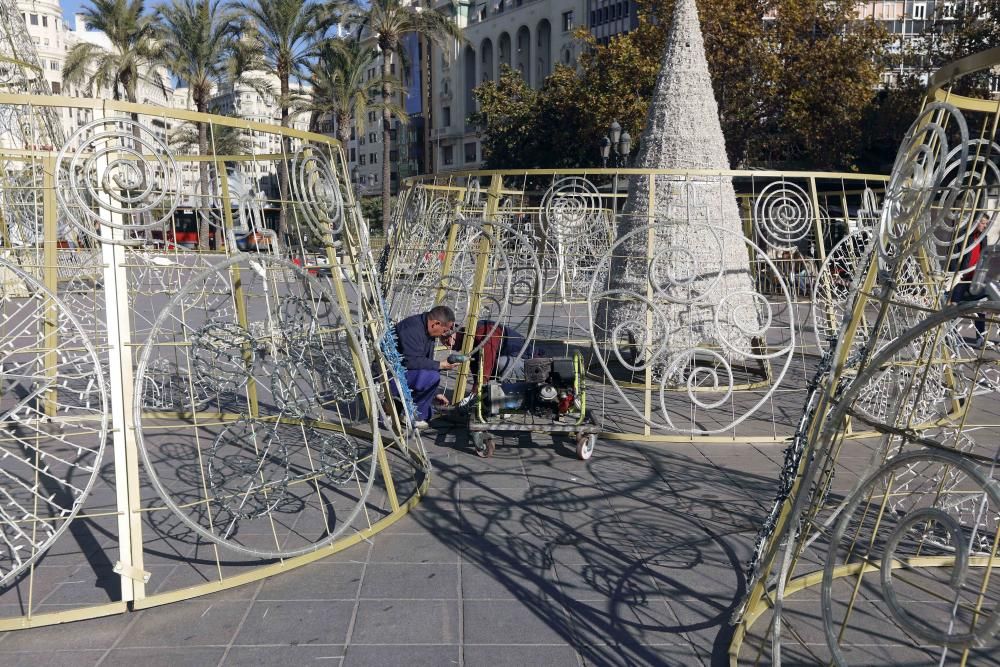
617,145
356,178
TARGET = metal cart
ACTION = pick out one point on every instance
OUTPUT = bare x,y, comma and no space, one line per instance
552,399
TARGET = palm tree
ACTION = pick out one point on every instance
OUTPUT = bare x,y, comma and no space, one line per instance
388,21
285,32
134,50
197,38
339,88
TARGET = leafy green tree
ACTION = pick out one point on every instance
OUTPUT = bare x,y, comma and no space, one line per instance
889,114
198,37
829,67
134,50
284,33
388,21
792,87
508,111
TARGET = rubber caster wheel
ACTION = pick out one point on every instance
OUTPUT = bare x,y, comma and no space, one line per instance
484,445
585,446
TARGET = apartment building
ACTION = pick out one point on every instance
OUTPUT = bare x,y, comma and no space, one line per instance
250,100
530,36
607,18
53,39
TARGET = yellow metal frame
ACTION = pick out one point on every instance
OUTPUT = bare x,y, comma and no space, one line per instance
129,513
445,184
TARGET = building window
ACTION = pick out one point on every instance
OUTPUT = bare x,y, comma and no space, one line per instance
470,152
45,21
626,7
354,157
393,156
362,160
34,19
919,11
447,155
567,20
56,88
53,65
445,116
373,158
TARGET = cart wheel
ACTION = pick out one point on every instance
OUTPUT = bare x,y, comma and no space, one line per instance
479,442
585,445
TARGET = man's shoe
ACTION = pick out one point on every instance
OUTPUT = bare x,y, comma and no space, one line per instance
420,424
980,342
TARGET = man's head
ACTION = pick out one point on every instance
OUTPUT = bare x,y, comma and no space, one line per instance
440,321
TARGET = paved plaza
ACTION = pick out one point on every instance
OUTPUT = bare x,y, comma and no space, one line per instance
528,558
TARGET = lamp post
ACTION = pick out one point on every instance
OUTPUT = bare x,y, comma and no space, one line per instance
356,179
616,146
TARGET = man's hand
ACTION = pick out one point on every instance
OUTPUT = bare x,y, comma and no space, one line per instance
447,365
441,400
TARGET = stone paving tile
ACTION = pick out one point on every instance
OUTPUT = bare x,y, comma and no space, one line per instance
316,581
406,622
183,656
508,655
634,557
296,623
412,655
53,657
515,622
199,622
96,633
411,549
411,581
486,581
662,655
284,655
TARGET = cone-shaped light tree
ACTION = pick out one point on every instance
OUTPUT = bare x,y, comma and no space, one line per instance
694,258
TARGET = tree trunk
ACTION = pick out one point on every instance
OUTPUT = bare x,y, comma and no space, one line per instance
386,120
344,130
206,202
286,147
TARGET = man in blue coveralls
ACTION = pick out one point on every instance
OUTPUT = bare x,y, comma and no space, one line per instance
418,335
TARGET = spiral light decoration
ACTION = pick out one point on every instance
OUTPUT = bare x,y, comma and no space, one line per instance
117,174
919,195
54,409
316,189
783,214
696,382
291,356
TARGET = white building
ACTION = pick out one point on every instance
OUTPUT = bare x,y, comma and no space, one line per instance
53,40
530,36
244,100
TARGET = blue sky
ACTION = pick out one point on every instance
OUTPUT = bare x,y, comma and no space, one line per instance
71,7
